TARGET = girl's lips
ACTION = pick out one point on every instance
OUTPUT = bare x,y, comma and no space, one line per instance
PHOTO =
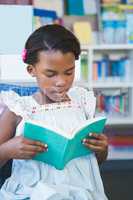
60,94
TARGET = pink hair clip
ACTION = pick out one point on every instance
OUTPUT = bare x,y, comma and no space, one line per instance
24,54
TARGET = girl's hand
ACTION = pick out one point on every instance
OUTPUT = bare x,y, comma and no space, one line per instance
22,148
98,144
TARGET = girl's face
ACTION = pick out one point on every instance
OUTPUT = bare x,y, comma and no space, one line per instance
54,73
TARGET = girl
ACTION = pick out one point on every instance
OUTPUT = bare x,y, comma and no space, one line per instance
50,53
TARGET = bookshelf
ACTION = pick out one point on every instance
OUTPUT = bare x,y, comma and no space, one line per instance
113,46
113,83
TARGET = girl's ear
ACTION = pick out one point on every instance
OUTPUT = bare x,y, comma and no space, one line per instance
31,70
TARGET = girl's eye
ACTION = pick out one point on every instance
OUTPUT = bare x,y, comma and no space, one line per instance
50,74
69,72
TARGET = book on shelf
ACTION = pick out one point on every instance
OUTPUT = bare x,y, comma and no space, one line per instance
62,147
56,5
114,102
19,2
121,152
111,69
43,17
85,37
75,9
81,7
123,141
129,29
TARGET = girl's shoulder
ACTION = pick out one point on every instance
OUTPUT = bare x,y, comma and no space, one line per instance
85,98
16,103
81,94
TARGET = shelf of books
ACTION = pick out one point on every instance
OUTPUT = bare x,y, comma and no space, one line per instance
120,142
108,71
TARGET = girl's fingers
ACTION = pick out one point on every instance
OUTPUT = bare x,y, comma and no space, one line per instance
35,148
33,142
100,139
93,142
97,136
29,141
29,154
93,147
103,137
93,135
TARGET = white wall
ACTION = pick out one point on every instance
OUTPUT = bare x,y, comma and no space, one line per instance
15,27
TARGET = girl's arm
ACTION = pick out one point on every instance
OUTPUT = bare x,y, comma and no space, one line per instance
15,147
8,123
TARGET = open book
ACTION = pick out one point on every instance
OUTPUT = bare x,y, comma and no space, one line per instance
62,147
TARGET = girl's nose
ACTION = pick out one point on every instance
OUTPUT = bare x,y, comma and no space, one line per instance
60,81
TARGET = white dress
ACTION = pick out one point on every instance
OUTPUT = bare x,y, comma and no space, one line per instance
34,180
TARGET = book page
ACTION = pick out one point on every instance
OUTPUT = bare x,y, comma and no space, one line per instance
87,123
54,129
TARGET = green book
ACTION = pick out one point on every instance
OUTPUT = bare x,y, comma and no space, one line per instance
62,147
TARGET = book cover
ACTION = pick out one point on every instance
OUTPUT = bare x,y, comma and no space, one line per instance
85,37
43,17
84,65
56,5
123,140
75,9
62,147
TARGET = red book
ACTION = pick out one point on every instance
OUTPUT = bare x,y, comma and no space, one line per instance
21,2
121,140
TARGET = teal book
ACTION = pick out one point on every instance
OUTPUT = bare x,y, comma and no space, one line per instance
62,147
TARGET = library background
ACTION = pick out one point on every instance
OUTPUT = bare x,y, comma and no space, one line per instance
105,31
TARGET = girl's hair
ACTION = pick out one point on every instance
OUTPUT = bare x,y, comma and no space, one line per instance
50,37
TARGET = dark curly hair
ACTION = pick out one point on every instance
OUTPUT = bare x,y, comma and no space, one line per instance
50,37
